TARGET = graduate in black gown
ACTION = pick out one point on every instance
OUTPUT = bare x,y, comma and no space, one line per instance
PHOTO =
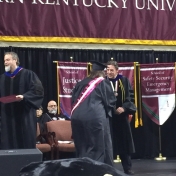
121,131
18,119
93,101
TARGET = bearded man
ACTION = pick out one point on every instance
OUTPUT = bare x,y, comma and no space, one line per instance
18,118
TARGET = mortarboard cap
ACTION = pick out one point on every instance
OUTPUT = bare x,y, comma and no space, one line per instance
97,66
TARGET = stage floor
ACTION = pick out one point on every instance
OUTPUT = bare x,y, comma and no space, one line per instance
147,167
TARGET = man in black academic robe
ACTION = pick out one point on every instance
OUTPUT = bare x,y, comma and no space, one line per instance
18,119
51,115
121,131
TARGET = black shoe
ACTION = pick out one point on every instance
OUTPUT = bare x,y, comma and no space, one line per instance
129,172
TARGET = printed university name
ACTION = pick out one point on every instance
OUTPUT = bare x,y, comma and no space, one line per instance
138,4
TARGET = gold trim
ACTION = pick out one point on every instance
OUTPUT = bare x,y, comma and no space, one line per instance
123,90
87,68
58,99
90,66
86,40
136,97
140,102
175,81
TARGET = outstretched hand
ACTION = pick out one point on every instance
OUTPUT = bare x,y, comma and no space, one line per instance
19,97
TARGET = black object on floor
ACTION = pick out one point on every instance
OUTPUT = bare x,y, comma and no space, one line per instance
144,167
70,167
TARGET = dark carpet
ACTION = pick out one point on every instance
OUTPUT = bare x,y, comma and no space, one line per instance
152,167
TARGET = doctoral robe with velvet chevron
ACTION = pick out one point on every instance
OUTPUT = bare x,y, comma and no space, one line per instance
18,119
121,130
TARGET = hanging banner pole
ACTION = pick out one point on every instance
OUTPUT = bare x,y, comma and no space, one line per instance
71,59
136,97
140,104
58,100
160,158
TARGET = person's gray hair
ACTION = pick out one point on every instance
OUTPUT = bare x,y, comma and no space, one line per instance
14,56
114,63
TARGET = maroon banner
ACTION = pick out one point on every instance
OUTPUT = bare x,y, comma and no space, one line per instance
158,90
89,21
127,69
69,73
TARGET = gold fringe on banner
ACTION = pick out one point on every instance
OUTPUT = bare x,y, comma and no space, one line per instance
136,97
140,95
88,68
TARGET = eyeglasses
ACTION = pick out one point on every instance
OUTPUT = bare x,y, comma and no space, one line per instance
52,106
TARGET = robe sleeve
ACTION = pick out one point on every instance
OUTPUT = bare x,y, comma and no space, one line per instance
0,95
35,92
128,103
79,88
74,95
109,99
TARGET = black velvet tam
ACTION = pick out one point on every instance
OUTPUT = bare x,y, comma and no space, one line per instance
97,66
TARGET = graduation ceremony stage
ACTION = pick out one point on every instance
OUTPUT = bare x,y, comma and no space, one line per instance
151,167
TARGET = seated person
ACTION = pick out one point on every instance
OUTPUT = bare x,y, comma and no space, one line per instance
50,116
39,112
52,112
40,119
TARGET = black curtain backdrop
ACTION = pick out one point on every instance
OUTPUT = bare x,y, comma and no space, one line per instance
146,138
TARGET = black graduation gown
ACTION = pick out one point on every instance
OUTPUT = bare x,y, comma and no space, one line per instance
90,124
121,130
18,119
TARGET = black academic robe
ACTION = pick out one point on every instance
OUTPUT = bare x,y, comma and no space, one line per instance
121,130
47,117
18,119
90,124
